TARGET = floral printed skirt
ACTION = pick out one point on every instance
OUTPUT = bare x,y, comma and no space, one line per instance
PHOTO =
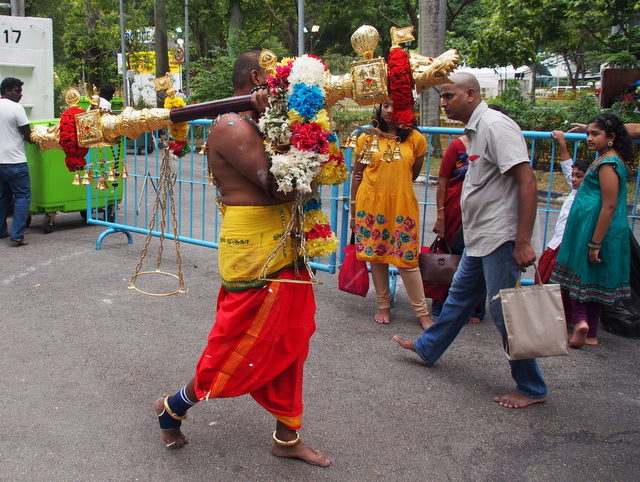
387,238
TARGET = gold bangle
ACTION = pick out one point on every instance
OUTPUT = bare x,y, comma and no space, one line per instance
440,209
171,413
352,202
286,443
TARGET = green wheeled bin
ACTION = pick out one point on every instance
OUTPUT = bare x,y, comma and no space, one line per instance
52,190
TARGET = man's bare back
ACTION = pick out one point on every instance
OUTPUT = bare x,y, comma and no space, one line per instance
239,163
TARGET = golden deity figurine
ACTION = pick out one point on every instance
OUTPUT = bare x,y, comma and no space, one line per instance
401,35
46,137
94,99
72,97
163,83
369,76
428,71
365,41
268,61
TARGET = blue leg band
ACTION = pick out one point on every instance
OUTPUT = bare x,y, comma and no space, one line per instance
178,406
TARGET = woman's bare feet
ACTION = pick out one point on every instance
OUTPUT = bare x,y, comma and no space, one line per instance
425,321
474,320
173,439
516,399
591,341
383,316
302,452
579,335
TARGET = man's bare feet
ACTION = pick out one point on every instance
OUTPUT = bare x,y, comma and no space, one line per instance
173,439
425,321
591,341
579,335
302,452
404,343
474,320
383,316
516,399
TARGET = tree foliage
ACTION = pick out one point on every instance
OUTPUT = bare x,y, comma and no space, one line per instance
486,32
493,33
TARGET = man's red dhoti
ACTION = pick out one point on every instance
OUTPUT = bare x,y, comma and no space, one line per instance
258,345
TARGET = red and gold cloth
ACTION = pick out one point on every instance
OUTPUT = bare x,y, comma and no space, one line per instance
258,345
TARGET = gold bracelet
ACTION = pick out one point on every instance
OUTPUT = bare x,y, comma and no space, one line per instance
286,443
171,413
352,202
440,209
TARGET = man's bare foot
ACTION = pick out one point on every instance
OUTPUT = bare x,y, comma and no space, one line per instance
302,452
173,439
404,343
383,316
516,399
579,335
425,321
474,320
591,341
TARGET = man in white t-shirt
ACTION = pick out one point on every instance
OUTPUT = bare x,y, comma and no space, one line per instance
498,202
15,184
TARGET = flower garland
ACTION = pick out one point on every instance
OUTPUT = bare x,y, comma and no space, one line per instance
298,127
179,146
401,88
320,240
303,150
74,154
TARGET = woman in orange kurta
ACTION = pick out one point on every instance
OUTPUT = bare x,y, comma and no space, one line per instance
384,214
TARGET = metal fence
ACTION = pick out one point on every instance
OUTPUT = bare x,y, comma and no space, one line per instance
198,220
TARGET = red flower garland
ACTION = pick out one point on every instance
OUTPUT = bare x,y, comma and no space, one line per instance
401,88
310,137
179,148
319,231
281,79
74,154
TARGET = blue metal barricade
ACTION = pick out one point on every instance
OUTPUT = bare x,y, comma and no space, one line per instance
427,201
198,220
197,217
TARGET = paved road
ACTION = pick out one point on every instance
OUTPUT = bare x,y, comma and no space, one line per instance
83,358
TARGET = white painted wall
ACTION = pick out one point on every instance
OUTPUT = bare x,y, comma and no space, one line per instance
26,53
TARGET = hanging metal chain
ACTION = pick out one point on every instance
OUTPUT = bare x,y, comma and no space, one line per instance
295,229
166,181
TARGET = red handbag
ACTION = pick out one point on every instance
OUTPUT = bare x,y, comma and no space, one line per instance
353,276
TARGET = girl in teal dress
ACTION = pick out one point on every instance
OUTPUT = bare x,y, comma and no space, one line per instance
593,262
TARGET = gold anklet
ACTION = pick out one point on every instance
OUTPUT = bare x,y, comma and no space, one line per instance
286,443
171,413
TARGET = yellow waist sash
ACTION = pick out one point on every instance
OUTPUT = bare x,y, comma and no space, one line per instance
248,236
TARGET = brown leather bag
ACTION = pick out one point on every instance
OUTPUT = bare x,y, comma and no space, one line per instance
438,266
